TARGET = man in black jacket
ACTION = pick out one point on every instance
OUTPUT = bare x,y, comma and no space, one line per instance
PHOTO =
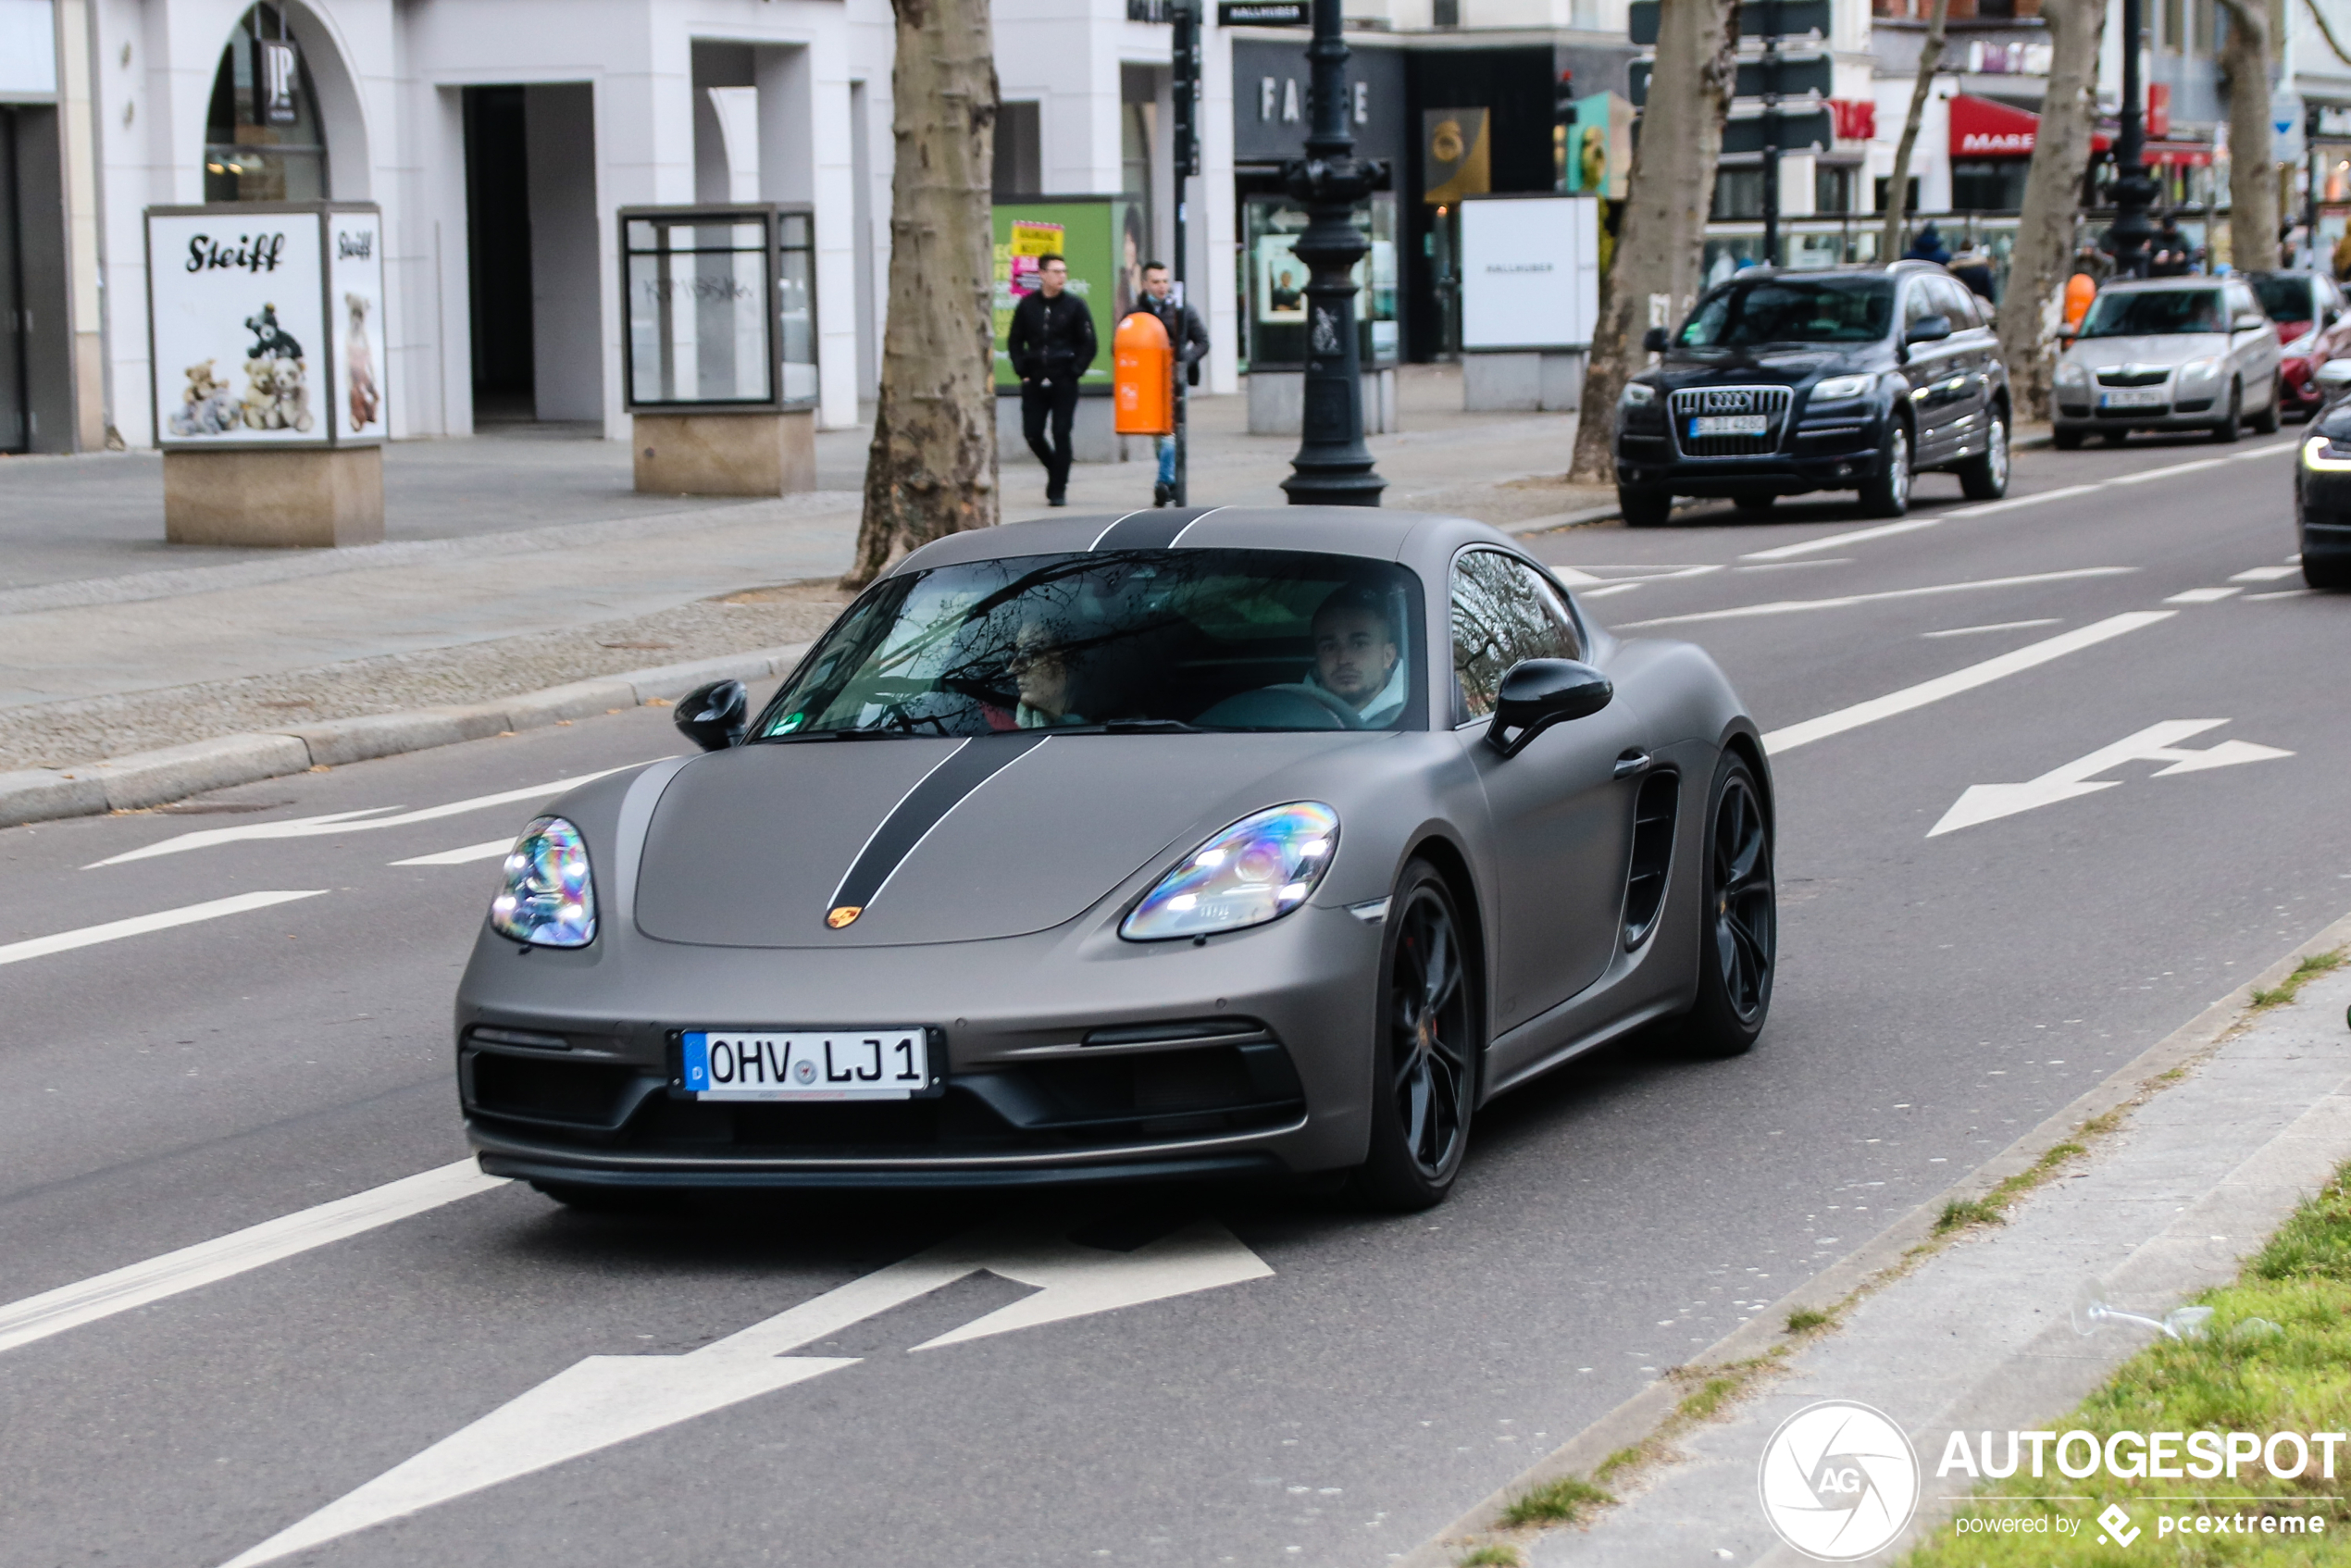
1051,342
1189,336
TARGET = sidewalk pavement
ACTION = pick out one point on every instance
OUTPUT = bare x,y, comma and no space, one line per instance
516,562
1979,1335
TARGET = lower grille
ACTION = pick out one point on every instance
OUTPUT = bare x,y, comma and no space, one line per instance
1692,402
2154,377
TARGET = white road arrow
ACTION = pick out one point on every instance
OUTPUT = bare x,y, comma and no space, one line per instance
609,1400
2157,743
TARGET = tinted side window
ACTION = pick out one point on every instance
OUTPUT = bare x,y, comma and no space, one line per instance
1502,613
1918,305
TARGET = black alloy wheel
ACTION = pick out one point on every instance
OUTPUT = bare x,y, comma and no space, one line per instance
1886,493
1645,508
1985,476
1738,937
2234,420
1425,1059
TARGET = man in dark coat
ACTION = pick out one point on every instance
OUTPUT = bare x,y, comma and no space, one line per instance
1051,342
1189,336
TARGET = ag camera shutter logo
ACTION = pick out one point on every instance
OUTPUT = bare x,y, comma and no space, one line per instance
1838,1480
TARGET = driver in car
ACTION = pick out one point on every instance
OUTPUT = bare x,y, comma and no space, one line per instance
1356,655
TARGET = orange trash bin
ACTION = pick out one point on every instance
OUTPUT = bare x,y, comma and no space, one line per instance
2079,292
1142,378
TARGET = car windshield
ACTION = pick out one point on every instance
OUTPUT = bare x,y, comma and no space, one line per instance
1123,641
1791,310
2148,313
2284,299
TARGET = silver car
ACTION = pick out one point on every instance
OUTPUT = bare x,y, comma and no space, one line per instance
2169,353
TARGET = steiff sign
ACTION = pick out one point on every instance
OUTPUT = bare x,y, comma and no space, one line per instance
267,322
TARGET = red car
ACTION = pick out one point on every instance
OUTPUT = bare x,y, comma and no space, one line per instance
2313,327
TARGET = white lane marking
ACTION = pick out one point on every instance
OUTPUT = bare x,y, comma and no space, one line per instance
1794,606
489,849
2009,503
71,1306
608,1399
1884,530
1571,577
2267,451
1995,626
2263,573
2157,743
2145,474
1792,566
2282,593
1604,593
341,821
140,925
2202,595
1911,697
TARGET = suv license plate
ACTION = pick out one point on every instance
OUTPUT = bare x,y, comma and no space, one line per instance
885,1063
1729,425
2151,398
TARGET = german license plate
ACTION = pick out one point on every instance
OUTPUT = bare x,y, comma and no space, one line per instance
880,1063
1729,425
2152,397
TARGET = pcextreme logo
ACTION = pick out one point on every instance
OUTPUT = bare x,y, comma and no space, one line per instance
2119,1528
1838,1480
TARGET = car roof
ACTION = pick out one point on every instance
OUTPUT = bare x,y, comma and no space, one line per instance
1843,269
1374,533
2160,285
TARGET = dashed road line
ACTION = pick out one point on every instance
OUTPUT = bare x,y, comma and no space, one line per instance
490,848
2202,595
1912,698
1795,607
2263,573
140,925
71,1306
1995,626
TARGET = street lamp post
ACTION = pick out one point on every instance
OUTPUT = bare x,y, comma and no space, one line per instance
2134,192
1333,466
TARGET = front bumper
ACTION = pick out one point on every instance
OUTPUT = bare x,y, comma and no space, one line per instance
2322,516
1070,1057
1821,452
2078,410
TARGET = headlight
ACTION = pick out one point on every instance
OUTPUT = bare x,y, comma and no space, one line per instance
549,898
1259,870
1836,388
2323,456
1638,395
2200,369
2071,374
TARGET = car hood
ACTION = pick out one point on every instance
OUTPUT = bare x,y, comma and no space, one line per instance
2165,348
749,847
1788,366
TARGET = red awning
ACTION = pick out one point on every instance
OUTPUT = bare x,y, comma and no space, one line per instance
1982,128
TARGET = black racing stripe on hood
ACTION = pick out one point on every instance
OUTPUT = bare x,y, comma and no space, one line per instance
1150,530
925,806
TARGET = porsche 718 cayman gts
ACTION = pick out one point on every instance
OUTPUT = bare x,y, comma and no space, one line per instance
1231,842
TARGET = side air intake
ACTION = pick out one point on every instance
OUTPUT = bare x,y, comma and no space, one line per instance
1653,816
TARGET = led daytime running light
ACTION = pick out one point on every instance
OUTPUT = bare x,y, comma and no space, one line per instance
548,899
1257,870
2315,458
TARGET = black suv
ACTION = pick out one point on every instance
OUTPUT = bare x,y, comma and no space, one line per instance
1847,378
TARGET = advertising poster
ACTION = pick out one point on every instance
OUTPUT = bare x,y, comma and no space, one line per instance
239,342
1090,233
1281,279
355,300
1599,147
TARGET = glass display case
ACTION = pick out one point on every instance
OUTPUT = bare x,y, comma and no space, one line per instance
720,308
1273,282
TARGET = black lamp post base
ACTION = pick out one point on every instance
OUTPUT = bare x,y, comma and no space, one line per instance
1338,484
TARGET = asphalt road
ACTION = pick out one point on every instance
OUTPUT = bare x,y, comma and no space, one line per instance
1311,1385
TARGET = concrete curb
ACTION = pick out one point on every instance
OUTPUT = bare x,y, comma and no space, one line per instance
173,773
1640,1416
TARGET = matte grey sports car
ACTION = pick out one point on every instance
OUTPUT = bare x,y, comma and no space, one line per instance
1220,842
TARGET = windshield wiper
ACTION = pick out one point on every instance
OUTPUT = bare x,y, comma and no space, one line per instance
1131,726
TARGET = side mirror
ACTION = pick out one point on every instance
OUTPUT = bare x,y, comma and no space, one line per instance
1927,329
2333,379
1656,340
2249,321
1539,693
716,716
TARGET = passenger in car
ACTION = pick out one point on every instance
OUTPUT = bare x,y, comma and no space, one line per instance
1358,658
1041,667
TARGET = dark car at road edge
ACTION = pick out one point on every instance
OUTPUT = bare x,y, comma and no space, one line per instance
1785,382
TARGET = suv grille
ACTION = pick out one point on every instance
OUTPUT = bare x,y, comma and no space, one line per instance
1692,402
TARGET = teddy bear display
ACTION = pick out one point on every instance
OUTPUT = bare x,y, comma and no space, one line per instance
207,409
365,399
277,389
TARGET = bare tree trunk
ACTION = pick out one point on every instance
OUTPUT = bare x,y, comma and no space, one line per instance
2034,303
931,470
1897,189
2253,173
1661,247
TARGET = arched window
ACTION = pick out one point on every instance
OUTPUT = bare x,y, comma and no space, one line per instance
262,141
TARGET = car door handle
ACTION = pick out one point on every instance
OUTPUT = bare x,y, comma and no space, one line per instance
1633,763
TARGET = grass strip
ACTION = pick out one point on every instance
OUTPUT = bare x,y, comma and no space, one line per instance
2289,1372
2313,965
